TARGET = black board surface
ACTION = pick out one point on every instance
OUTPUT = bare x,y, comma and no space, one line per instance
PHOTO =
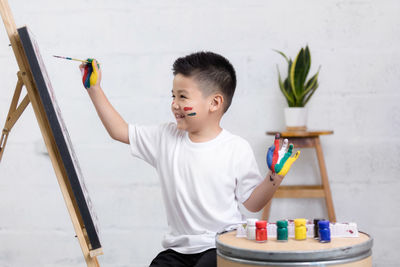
60,134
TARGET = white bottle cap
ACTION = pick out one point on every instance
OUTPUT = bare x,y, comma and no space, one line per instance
240,231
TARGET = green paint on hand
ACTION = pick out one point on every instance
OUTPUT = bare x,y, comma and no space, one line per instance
192,114
278,167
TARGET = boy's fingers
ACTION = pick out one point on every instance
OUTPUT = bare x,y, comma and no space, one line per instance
290,149
90,72
270,155
276,151
289,163
84,76
82,67
88,76
283,150
95,75
296,156
285,143
95,65
280,165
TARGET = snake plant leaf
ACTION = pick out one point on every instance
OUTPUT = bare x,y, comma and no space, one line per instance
310,95
300,70
288,85
308,61
307,65
287,59
310,84
292,100
289,67
292,76
288,97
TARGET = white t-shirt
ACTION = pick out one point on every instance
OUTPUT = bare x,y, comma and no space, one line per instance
201,183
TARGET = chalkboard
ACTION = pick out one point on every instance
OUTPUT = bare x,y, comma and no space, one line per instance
61,135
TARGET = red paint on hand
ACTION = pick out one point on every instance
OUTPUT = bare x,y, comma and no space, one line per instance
187,108
275,156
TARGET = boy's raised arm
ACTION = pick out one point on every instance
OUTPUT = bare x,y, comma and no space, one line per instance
115,125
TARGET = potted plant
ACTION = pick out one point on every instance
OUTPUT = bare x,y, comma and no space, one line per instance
297,89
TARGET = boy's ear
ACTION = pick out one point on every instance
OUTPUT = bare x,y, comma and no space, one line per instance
217,102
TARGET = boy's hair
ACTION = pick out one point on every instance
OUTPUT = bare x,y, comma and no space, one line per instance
213,71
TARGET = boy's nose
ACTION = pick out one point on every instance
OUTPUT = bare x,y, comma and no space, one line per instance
175,106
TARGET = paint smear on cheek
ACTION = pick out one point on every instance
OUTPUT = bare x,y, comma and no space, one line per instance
189,108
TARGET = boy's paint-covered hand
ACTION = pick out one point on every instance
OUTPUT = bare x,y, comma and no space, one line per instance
288,164
91,74
279,161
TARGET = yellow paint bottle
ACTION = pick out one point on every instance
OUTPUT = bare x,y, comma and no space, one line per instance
300,230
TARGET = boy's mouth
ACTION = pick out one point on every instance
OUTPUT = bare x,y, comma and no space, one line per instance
179,116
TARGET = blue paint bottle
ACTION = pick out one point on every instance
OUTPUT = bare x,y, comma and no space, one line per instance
324,232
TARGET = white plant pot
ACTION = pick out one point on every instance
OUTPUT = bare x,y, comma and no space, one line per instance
296,118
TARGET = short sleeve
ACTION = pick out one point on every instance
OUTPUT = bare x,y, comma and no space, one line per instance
144,141
247,172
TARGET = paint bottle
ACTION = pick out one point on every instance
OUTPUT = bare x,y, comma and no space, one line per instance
324,232
316,228
282,231
300,230
251,228
261,231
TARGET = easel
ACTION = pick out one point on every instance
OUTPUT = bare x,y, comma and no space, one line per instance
25,79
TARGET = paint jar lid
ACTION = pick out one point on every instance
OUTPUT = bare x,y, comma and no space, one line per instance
261,224
251,222
300,222
282,224
317,220
323,224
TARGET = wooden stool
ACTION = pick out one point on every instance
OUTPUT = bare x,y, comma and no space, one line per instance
306,139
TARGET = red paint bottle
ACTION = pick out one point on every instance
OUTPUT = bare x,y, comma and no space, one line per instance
261,231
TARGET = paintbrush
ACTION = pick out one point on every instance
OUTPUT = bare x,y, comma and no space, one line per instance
70,58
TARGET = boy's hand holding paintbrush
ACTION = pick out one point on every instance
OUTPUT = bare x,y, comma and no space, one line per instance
111,119
91,74
90,68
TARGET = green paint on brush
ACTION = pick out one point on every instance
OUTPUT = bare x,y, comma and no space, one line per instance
278,167
192,114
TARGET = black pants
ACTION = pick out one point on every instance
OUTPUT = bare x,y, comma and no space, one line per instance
172,258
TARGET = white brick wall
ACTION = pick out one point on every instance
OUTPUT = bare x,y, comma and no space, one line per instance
356,43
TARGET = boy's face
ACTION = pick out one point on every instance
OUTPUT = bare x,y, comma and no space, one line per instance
189,106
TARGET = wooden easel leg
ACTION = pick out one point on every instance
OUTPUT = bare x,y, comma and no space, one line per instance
13,114
325,181
266,211
92,262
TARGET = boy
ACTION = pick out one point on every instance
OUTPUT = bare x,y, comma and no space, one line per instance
204,170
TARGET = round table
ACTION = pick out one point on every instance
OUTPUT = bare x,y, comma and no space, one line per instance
345,252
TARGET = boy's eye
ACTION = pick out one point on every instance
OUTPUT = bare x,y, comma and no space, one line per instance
181,96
